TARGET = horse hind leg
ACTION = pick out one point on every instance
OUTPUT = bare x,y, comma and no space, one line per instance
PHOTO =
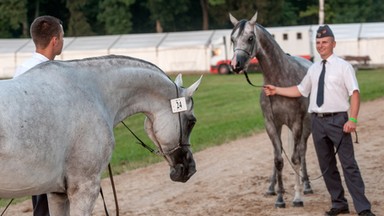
271,189
303,152
305,178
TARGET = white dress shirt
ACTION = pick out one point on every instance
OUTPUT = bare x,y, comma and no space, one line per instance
339,84
36,59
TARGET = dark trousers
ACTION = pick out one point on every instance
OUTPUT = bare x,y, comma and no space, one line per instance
40,205
328,135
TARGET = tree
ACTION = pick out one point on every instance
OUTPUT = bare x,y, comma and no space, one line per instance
204,9
166,13
116,16
351,11
375,11
77,24
13,18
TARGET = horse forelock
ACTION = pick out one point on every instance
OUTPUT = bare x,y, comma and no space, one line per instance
240,26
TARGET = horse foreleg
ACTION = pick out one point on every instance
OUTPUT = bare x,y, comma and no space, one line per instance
58,204
279,164
274,134
271,189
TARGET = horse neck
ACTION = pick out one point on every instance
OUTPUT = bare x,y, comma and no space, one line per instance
143,93
272,59
124,86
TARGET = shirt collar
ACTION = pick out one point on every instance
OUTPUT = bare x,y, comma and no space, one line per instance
40,56
331,58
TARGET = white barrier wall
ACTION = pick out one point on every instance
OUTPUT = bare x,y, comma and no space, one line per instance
192,51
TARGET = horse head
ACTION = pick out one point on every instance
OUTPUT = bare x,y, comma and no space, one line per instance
170,130
243,38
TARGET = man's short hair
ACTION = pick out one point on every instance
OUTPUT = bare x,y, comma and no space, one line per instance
43,28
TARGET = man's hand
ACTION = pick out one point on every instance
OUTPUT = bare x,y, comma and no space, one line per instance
269,90
349,127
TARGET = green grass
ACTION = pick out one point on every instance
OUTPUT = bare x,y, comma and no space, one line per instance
226,107
371,83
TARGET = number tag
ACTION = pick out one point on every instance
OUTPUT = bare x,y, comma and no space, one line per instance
178,105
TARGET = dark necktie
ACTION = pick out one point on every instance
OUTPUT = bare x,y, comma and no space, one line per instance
320,88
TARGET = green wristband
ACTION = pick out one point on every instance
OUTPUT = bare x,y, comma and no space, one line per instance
353,119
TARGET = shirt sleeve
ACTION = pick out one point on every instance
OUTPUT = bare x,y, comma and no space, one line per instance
305,86
351,81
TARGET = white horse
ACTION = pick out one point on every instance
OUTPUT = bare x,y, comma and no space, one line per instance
57,120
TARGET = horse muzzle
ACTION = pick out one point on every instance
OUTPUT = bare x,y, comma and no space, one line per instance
184,166
239,62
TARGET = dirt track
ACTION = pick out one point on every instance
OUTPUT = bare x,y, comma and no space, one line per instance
232,179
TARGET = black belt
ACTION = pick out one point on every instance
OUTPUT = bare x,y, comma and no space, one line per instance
322,115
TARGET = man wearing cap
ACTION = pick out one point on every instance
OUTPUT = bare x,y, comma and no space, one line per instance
332,84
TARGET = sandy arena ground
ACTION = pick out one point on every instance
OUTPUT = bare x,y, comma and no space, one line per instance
232,179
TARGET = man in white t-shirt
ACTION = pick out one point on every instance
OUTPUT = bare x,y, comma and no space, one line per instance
48,36
333,90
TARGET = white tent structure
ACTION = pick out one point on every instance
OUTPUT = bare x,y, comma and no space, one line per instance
192,51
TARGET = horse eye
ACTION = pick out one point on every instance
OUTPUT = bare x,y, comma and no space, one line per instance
250,39
191,122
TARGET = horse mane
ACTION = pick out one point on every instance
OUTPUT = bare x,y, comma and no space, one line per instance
112,60
269,37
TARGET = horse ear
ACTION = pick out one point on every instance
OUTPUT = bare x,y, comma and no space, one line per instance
191,89
179,80
254,18
233,19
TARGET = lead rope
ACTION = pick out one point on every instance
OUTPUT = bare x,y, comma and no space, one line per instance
249,81
140,141
2,213
114,193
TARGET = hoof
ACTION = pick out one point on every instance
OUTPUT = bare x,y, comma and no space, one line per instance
307,188
270,193
308,191
279,205
298,204
280,202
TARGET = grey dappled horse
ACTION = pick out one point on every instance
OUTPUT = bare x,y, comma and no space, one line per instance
57,120
252,40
